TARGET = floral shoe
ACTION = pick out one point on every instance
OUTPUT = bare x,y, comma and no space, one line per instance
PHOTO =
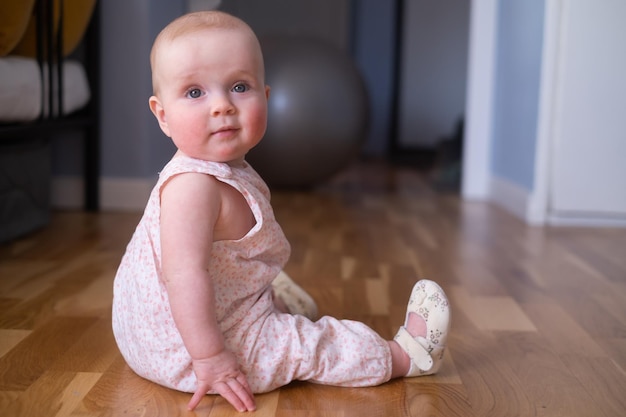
295,298
426,353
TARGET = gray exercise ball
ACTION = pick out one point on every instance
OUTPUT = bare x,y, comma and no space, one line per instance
317,112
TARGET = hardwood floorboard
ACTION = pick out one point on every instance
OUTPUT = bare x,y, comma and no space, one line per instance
549,384
539,314
601,379
492,386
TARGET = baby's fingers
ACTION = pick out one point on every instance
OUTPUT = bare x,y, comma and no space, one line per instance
197,396
238,394
245,393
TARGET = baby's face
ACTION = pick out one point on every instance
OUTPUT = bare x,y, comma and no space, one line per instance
212,98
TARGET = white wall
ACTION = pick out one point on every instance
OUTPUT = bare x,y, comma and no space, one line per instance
545,133
588,169
479,100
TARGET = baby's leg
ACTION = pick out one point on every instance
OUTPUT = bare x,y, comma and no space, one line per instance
329,351
282,347
418,347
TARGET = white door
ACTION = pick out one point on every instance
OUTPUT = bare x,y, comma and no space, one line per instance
588,173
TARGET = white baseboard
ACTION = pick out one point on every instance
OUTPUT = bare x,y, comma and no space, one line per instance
511,197
532,211
117,194
586,220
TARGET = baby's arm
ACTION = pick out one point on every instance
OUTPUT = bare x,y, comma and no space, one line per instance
190,208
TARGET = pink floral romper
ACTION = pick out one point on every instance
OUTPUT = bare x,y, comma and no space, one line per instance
273,349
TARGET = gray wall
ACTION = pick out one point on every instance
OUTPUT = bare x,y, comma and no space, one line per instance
516,102
325,19
132,144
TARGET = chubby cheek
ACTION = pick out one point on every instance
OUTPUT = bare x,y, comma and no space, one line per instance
186,134
190,145
257,122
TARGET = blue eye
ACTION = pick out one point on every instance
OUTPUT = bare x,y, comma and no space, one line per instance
194,93
240,88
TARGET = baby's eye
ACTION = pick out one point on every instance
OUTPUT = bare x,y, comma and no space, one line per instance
240,88
194,93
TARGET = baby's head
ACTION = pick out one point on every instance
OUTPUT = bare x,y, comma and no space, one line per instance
197,22
209,86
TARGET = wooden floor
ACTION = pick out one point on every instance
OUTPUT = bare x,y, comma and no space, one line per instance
539,314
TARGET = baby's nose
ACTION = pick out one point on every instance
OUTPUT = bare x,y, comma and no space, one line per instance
221,105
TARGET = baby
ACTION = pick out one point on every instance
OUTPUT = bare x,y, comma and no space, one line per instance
194,307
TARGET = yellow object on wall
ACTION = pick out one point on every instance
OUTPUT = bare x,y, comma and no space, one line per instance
14,18
76,17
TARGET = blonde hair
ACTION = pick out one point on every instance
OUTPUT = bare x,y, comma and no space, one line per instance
191,23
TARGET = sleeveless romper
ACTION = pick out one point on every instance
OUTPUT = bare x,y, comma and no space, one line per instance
273,349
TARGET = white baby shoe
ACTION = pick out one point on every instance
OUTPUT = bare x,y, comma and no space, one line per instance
295,298
426,353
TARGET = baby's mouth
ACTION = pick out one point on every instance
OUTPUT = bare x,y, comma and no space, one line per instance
224,130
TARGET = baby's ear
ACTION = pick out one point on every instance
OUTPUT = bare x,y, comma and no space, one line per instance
267,92
159,113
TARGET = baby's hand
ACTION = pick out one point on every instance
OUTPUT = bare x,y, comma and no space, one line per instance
222,374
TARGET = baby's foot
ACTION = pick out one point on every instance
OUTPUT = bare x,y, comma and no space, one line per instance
415,325
425,331
289,295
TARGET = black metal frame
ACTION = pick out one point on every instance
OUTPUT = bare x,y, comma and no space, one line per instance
50,58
